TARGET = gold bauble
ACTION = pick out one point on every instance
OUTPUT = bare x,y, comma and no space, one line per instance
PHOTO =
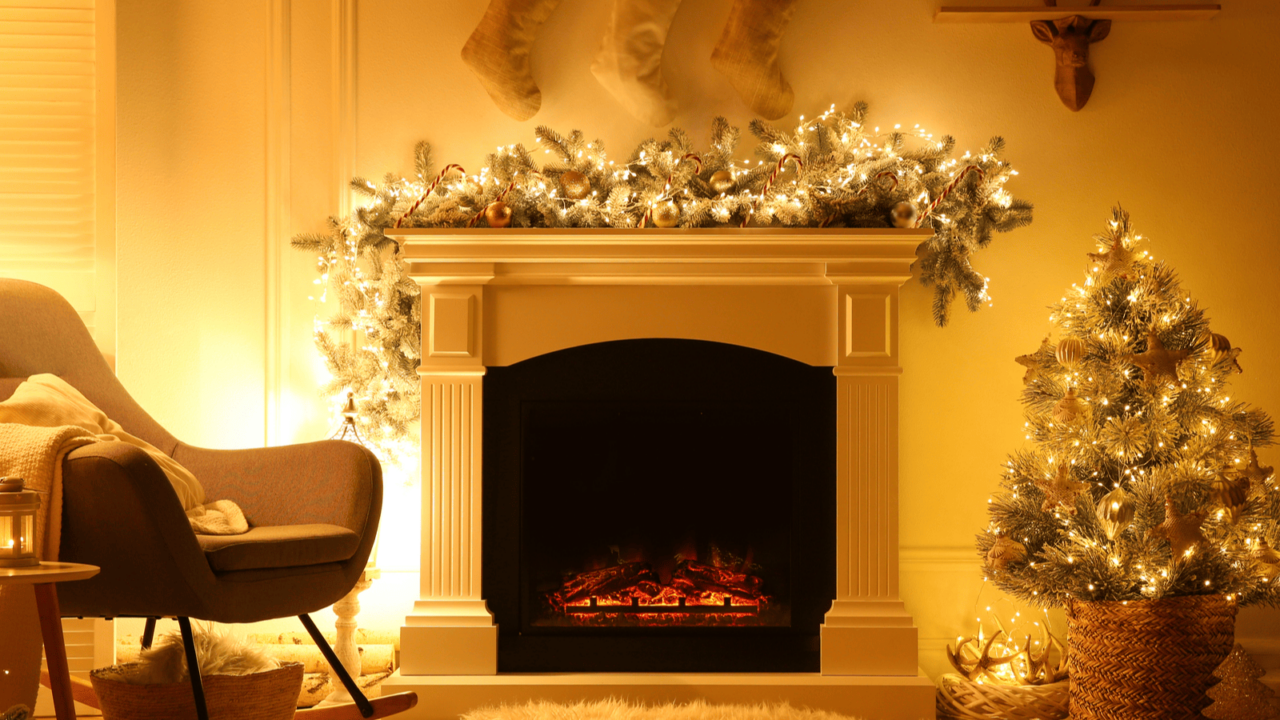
1005,551
498,214
1230,494
904,215
1268,560
666,214
722,181
1070,351
1115,512
576,185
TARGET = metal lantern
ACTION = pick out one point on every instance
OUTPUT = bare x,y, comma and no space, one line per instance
17,524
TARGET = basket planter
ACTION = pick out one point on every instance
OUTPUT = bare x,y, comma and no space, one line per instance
270,695
959,698
1146,659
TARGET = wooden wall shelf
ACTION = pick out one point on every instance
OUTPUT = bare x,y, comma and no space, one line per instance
1142,13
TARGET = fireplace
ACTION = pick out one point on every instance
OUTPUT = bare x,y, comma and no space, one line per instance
576,383
659,505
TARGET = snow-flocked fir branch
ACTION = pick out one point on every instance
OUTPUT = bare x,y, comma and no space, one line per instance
1178,439
849,175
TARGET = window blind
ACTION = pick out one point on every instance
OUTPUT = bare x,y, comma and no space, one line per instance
47,136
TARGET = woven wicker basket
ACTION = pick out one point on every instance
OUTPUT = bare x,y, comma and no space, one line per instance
959,698
1147,659
270,695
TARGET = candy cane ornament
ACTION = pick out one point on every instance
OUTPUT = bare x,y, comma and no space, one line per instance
769,183
430,189
697,170
929,210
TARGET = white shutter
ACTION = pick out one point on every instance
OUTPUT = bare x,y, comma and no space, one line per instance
48,128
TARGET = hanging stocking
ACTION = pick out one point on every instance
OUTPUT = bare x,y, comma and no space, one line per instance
498,53
747,54
629,63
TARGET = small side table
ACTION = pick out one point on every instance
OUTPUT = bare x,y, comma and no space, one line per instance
44,577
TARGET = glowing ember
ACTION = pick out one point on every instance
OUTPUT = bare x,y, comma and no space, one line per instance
633,593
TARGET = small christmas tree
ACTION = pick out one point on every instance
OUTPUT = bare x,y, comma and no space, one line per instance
1144,480
1239,695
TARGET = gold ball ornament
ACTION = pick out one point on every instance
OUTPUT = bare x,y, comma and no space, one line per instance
722,181
1230,494
1070,351
498,214
575,185
1005,550
904,215
1268,560
1221,348
666,214
1115,512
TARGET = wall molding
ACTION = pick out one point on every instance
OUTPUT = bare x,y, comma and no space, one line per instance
279,117
344,102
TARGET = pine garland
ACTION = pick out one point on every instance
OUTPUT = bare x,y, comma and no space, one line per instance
1143,481
844,174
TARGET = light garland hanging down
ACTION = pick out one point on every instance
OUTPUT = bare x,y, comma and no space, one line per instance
833,171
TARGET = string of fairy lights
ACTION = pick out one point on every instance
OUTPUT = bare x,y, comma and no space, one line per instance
834,170
1144,481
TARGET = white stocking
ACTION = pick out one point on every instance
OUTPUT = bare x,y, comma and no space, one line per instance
629,63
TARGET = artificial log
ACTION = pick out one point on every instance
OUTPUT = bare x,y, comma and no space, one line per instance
607,581
704,578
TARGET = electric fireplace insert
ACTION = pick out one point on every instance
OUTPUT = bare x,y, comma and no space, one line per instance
659,506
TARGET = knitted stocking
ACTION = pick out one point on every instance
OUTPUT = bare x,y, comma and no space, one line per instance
747,54
629,62
498,53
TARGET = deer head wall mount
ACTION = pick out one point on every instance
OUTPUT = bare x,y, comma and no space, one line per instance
1070,38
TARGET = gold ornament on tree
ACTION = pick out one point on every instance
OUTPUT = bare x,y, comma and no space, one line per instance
666,214
1221,348
904,214
1182,531
498,214
1070,352
1230,494
1061,491
1267,558
1116,259
1239,693
575,185
1158,362
722,181
1115,512
1068,408
1255,473
1005,550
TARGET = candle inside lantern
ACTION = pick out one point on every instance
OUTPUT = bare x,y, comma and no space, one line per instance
18,508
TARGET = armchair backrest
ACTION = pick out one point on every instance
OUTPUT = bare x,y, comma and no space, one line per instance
41,333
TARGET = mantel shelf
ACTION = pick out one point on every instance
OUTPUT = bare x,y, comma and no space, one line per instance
578,256
1145,13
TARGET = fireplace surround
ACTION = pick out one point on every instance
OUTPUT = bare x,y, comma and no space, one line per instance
493,300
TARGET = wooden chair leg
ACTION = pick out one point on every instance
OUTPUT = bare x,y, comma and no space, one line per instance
148,633
362,702
193,667
55,651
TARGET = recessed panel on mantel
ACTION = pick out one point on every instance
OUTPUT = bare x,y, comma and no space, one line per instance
795,322
452,322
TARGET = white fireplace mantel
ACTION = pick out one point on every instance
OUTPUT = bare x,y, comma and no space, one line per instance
826,297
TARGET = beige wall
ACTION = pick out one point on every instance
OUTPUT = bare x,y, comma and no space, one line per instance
1177,130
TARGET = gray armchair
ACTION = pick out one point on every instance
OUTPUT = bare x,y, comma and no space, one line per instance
313,508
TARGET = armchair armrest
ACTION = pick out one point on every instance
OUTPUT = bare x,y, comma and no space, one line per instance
331,481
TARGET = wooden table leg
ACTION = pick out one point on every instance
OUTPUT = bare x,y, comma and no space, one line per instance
55,650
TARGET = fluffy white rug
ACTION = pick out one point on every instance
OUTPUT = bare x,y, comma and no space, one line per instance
615,709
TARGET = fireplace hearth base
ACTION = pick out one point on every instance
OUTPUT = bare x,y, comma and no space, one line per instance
446,697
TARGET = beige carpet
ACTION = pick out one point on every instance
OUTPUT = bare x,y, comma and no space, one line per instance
615,709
